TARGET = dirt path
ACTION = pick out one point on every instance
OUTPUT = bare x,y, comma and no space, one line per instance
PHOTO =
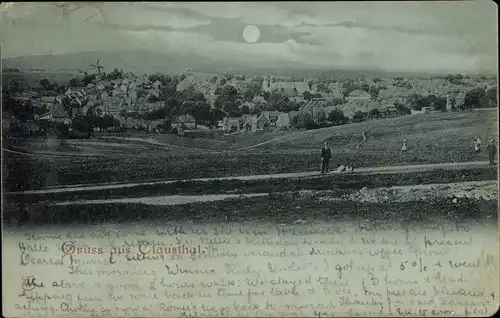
364,136
151,141
53,154
475,189
359,171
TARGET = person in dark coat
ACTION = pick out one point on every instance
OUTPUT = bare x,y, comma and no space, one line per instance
492,151
326,155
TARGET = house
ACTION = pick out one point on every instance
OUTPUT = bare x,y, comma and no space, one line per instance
113,106
153,106
104,96
262,123
231,124
288,88
185,121
259,100
337,94
283,121
240,85
271,116
211,100
460,100
45,116
358,95
297,99
133,95
388,112
250,105
59,114
249,122
117,92
157,84
47,101
424,110
351,107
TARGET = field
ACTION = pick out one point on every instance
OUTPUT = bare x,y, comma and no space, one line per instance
433,138
32,79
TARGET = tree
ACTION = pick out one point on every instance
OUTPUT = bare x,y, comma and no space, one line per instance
153,99
231,109
167,91
278,101
45,83
365,87
322,87
199,110
473,98
374,113
374,90
347,88
74,82
223,81
213,80
166,125
82,124
88,79
336,117
253,90
307,95
115,74
358,116
229,91
491,97
440,104
418,101
245,110
215,116
402,109
454,79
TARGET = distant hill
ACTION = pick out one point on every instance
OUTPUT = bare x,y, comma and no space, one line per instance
137,61
140,62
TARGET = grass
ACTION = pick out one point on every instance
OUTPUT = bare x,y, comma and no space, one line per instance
276,209
32,79
433,138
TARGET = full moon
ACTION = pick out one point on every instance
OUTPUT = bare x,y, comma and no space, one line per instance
251,33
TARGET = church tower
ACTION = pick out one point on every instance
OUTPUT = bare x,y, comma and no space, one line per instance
265,84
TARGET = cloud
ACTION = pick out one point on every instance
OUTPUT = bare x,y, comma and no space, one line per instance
232,29
402,35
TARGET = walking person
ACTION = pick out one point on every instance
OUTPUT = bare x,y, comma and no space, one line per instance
492,150
404,148
326,155
477,145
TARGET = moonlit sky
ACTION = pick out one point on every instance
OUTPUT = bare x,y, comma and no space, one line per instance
396,36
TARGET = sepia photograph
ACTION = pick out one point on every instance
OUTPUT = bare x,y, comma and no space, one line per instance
250,159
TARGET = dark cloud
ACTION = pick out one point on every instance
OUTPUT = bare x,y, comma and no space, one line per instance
224,29
137,28
232,29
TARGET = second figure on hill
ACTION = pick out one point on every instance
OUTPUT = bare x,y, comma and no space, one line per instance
326,155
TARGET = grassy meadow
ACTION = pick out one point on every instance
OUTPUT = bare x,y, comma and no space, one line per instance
432,138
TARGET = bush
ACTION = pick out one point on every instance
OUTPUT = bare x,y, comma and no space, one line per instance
88,79
358,117
374,113
74,82
336,117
